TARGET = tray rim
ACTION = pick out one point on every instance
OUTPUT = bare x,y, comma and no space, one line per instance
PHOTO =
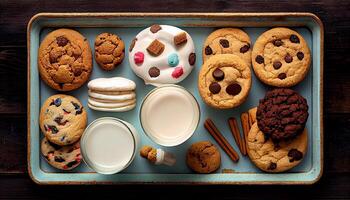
177,15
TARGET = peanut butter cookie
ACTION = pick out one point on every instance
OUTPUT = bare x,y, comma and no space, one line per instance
64,60
281,57
109,51
224,81
228,41
275,157
62,119
203,157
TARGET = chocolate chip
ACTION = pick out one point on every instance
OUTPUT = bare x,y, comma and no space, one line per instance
79,111
218,74
156,48
214,88
192,58
59,159
233,89
154,72
244,49
58,120
155,28
132,45
62,138
53,129
57,102
293,38
65,111
282,76
180,39
277,43
288,58
76,106
259,59
77,71
61,85
295,155
277,64
208,50
224,43
300,55
70,164
55,146
272,166
61,41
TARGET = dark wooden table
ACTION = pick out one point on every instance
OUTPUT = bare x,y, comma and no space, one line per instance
14,179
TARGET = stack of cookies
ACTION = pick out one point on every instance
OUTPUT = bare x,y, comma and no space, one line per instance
225,78
112,94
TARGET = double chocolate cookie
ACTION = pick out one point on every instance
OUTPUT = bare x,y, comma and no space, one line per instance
64,59
282,114
62,119
203,157
281,57
275,157
109,51
224,81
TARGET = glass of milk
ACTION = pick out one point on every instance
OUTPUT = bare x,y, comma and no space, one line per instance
109,145
169,115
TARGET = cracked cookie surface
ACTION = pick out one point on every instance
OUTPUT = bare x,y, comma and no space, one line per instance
64,59
109,51
203,157
62,119
61,157
228,41
281,57
224,81
275,157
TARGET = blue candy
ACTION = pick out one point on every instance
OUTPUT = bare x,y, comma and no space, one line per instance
173,60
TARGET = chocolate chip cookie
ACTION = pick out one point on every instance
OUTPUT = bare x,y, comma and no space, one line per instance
109,51
275,157
282,114
281,57
62,119
224,81
228,41
64,60
203,157
61,157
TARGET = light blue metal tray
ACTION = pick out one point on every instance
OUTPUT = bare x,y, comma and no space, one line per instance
199,26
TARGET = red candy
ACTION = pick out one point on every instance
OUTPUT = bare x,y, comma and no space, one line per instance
177,72
139,57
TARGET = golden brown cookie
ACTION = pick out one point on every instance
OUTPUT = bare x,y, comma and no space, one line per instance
224,81
203,157
62,119
64,59
228,41
275,157
281,57
109,51
61,157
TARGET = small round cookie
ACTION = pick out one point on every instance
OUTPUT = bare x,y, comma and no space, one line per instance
115,97
224,81
282,114
281,57
162,54
114,84
109,51
228,41
61,157
275,157
203,157
64,60
114,109
62,119
111,105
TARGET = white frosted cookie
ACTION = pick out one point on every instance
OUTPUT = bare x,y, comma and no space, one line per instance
121,109
162,54
121,97
111,105
112,84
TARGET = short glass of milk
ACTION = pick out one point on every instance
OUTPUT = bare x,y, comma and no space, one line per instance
109,145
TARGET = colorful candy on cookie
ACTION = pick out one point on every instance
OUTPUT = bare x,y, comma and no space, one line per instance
162,54
157,156
115,94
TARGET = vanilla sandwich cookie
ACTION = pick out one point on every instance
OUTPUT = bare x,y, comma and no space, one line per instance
107,100
121,97
111,105
112,84
120,109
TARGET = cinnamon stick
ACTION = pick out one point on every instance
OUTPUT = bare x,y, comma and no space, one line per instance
236,135
245,127
220,139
